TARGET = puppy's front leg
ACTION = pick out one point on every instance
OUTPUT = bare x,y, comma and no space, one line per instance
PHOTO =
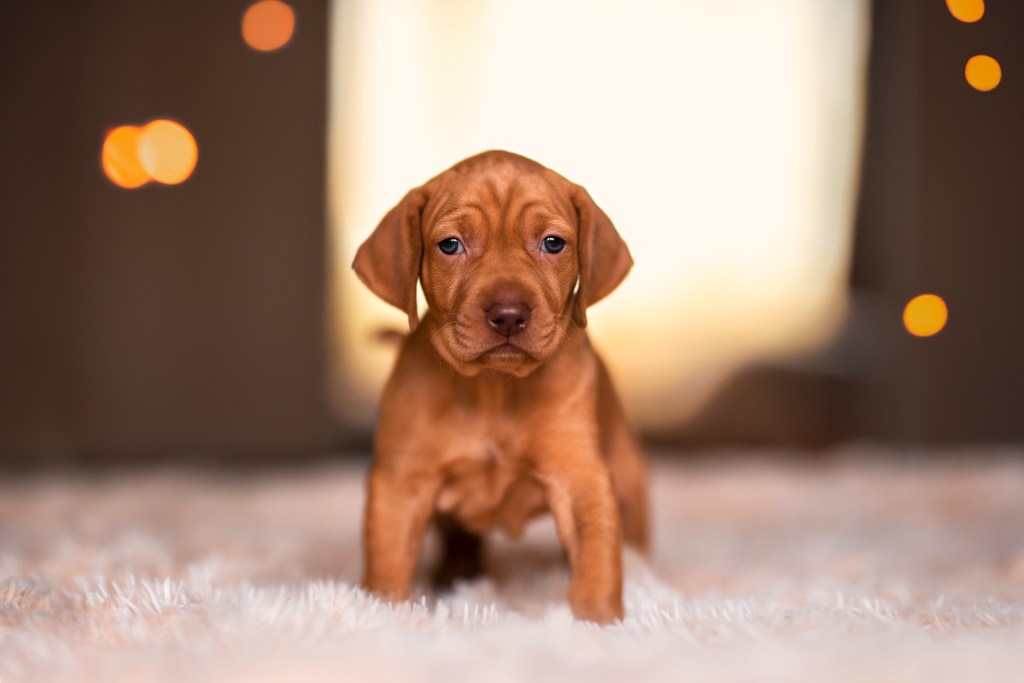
587,519
398,507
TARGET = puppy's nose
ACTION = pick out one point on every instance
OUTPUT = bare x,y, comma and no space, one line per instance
507,319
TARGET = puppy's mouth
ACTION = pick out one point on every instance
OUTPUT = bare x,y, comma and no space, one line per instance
503,353
471,347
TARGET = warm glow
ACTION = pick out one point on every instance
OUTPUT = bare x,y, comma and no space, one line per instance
966,10
268,25
983,72
167,151
721,136
925,315
120,160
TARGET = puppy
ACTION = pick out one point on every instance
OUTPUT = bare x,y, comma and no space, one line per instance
498,409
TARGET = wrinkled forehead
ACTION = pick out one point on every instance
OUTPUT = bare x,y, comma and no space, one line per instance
499,198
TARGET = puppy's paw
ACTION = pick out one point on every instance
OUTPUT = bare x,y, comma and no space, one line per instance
600,611
384,590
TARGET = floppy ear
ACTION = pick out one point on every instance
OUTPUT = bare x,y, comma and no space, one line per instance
388,262
604,257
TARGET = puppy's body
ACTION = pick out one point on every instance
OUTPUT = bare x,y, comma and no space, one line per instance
478,435
498,409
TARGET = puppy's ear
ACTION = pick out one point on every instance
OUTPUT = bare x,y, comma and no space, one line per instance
604,257
388,262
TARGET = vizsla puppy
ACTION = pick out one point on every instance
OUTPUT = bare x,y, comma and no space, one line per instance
498,409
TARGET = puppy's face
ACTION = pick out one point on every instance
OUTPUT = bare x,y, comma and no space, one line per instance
500,264
500,244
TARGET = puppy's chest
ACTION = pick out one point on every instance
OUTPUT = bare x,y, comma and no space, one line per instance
488,483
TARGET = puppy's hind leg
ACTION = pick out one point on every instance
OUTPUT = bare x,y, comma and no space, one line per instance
626,464
461,554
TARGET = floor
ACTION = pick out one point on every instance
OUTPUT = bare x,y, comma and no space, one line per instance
861,565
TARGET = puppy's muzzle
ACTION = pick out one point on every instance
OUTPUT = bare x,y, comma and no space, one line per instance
507,318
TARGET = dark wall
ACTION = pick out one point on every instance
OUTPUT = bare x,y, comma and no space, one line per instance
942,211
164,320
188,321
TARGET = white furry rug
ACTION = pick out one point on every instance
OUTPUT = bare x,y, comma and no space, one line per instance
865,569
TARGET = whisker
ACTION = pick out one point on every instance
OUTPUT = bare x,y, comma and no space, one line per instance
440,329
567,318
561,330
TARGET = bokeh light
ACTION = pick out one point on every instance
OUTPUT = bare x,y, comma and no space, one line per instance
968,11
983,72
925,315
120,160
167,151
268,25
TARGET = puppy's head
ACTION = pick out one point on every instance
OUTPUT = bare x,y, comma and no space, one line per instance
510,255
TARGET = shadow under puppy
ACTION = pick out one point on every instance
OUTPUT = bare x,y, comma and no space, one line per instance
498,409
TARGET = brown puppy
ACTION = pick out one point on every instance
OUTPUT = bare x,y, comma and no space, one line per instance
498,409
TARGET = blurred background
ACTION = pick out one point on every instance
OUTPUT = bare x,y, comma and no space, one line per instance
821,197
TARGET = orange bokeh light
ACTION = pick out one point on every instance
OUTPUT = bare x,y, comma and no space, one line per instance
968,11
925,315
268,25
120,160
983,72
167,151
162,150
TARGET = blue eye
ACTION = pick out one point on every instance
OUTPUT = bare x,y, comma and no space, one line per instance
451,246
552,244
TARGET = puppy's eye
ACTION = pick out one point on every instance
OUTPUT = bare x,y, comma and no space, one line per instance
451,246
552,244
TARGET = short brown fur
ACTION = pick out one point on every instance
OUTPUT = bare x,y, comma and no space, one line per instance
483,428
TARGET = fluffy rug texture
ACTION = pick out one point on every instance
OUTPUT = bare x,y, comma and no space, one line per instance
864,567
